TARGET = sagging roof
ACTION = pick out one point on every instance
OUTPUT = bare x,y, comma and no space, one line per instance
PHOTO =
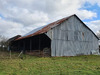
46,28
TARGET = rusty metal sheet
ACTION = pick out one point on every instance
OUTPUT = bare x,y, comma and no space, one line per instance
46,28
51,25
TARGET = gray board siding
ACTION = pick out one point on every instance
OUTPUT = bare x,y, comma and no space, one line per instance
49,34
72,38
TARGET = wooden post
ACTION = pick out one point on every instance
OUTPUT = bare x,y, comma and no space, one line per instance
10,54
20,53
23,47
18,45
39,44
9,49
30,45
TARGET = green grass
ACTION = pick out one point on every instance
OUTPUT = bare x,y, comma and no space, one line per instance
31,65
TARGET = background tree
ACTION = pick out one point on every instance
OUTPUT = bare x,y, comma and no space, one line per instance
98,33
3,42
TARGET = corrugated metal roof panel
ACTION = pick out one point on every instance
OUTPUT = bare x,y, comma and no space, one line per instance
43,29
33,31
46,28
13,38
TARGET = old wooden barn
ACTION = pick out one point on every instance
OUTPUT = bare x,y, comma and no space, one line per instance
65,37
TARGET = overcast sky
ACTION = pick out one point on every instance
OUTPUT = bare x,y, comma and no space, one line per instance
22,16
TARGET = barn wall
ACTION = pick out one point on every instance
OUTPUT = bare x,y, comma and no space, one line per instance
49,34
72,38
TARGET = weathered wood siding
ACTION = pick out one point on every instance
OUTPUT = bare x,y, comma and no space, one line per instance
72,38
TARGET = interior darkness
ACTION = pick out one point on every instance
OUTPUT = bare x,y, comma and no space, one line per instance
38,42
99,48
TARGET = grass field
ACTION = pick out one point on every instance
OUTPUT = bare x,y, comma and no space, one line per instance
31,65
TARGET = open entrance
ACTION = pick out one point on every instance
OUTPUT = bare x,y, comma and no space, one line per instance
99,48
39,45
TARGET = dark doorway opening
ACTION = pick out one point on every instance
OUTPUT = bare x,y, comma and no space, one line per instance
39,45
99,48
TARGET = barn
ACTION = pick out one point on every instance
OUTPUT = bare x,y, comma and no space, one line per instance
65,37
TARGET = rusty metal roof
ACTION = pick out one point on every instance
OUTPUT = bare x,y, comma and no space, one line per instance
49,26
33,31
13,38
45,28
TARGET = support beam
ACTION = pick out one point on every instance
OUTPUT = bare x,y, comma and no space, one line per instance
10,54
24,46
18,45
30,44
39,44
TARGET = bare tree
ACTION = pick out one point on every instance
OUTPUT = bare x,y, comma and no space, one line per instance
3,42
98,34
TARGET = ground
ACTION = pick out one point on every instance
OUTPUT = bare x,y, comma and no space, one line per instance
32,65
